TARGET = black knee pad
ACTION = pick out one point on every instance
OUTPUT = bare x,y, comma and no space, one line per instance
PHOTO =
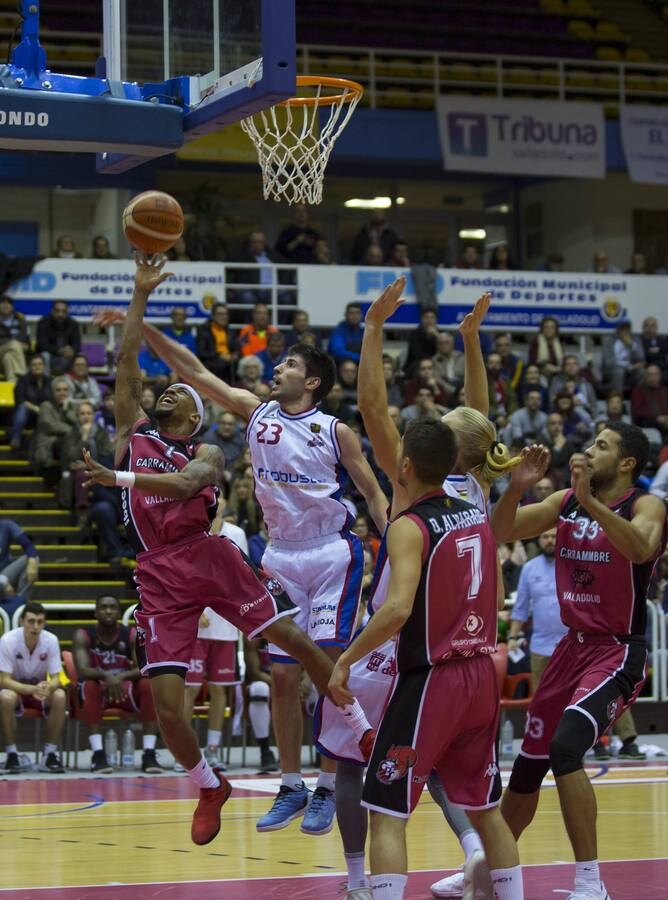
527,775
574,736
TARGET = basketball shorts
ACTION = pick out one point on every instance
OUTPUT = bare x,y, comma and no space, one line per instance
597,675
323,577
176,583
214,660
371,680
445,719
27,701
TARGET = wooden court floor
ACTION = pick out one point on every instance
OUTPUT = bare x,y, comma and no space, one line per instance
94,838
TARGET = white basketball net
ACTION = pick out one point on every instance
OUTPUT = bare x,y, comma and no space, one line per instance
294,143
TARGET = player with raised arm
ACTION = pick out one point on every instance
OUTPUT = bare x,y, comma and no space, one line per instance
444,710
609,535
299,457
169,497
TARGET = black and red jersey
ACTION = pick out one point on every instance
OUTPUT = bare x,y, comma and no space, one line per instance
114,657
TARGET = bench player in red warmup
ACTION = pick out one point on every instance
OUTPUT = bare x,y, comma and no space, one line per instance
169,498
609,535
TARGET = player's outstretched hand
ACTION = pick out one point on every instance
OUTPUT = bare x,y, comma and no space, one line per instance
107,317
97,474
387,304
149,274
581,477
338,684
534,465
470,324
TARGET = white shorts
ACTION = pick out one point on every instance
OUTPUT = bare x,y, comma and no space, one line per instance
323,578
371,680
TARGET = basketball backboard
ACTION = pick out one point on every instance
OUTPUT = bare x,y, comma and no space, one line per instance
221,60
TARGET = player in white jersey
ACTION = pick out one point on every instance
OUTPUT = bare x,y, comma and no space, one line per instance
299,457
30,667
480,459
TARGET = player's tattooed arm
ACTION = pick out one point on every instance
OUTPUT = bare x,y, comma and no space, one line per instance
476,389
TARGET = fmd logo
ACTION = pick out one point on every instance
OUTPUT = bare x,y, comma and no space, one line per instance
15,117
468,134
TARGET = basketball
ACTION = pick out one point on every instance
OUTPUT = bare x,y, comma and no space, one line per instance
153,222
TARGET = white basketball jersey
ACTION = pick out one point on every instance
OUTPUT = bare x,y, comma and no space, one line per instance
466,487
298,473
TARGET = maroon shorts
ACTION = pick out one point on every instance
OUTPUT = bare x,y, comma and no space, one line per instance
443,718
28,701
214,660
597,675
177,582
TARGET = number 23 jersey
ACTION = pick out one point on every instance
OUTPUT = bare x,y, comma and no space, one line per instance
298,473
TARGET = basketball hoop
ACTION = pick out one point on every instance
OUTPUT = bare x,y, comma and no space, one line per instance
294,141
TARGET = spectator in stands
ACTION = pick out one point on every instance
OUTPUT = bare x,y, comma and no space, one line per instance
105,418
502,398
629,358
425,406
243,507
335,405
249,373
500,258
659,486
30,670
58,338
425,376
257,252
300,327
296,242
649,402
545,348
470,258
537,601
561,448
511,364
30,391
395,394
394,412
82,385
345,341
253,337
638,264
101,248
398,255
373,256
108,677
56,417
216,346
66,248
376,231
227,435
448,362
583,392
179,330
601,264
578,424
105,514
527,424
370,542
17,576
273,355
153,369
179,252
14,340
554,262
614,409
148,400
347,378
655,345
532,380
322,253
422,341
86,434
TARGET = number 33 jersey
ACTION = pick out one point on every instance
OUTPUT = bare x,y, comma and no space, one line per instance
298,473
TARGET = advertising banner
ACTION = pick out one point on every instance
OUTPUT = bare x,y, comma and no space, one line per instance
645,140
522,137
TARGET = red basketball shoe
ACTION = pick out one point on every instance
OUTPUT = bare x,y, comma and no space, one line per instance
367,742
206,818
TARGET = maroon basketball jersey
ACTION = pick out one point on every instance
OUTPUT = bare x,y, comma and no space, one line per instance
115,657
152,521
600,591
454,613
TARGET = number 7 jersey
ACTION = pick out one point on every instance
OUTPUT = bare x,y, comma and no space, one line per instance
298,473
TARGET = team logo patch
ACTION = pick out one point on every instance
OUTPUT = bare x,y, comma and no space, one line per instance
396,764
492,770
42,657
315,428
582,577
474,624
273,585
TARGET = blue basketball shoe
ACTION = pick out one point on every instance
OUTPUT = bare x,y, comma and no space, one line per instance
319,818
288,805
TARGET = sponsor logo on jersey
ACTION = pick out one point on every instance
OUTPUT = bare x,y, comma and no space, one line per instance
474,623
582,577
321,621
375,661
278,477
273,585
396,764
246,607
614,708
315,427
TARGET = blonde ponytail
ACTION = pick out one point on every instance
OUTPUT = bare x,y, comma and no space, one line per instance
480,452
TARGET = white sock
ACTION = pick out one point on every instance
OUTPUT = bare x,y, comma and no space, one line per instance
50,748
213,738
470,842
11,748
293,780
149,741
587,875
326,780
203,775
355,719
238,711
507,883
356,874
388,887
95,741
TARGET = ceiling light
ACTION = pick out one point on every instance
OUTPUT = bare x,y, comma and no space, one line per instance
400,201
473,234
368,203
